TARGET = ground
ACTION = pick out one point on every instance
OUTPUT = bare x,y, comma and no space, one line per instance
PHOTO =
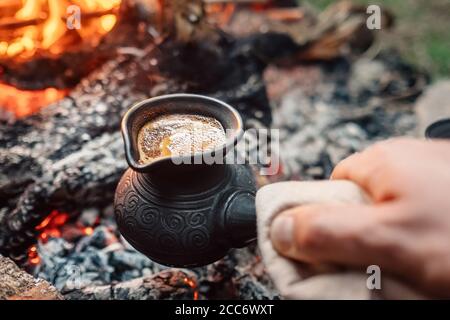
420,34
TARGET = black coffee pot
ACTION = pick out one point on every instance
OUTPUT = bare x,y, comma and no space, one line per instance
439,129
181,211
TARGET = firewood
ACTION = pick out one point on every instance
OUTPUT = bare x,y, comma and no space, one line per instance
167,284
16,284
13,23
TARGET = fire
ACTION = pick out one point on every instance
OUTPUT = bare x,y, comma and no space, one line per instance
50,227
88,231
192,284
25,102
33,256
53,28
31,26
53,226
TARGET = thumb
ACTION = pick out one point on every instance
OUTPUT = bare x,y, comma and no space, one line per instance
348,235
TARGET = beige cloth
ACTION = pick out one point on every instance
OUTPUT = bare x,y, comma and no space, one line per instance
288,275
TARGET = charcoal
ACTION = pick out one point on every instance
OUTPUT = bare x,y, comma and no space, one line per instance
130,260
167,284
251,289
100,238
62,265
55,247
89,216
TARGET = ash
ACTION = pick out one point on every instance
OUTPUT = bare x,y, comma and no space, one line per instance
326,113
104,266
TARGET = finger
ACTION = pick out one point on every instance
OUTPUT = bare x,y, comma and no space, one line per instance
371,170
347,235
341,171
357,164
357,167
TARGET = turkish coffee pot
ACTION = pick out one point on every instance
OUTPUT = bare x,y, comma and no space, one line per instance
175,210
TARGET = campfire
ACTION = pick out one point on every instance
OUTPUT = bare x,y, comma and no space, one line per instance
63,92
37,29
34,27
25,102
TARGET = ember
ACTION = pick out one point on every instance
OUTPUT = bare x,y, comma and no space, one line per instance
22,103
88,231
57,225
192,284
50,226
33,256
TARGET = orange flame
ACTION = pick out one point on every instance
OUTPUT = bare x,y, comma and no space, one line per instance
22,103
192,284
50,226
29,27
38,25
33,256
88,231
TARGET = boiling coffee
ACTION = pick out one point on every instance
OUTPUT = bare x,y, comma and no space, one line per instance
179,134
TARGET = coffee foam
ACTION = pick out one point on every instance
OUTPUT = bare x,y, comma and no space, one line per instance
179,135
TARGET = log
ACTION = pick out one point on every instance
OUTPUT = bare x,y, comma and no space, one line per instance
167,284
16,284
13,23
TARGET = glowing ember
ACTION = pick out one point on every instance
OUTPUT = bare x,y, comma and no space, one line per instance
192,284
25,102
33,256
88,231
31,26
54,226
50,226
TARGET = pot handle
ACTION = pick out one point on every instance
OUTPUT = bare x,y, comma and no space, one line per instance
240,218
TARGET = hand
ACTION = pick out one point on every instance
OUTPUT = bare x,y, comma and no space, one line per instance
405,231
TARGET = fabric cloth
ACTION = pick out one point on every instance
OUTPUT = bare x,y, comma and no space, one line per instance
296,280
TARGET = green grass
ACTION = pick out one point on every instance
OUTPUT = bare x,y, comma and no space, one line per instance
421,34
